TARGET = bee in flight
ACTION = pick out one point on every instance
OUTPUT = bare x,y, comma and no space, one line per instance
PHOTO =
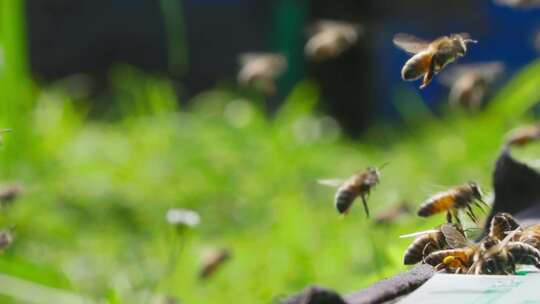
329,39
358,185
430,241
524,135
457,198
470,84
393,213
212,260
429,58
260,70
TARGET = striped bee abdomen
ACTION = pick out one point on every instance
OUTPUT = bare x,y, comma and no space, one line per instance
344,199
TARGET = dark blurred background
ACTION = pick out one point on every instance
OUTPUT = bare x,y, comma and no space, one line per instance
196,43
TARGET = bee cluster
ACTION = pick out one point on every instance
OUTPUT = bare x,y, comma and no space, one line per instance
506,245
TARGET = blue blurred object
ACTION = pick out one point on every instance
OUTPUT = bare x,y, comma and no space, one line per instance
504,34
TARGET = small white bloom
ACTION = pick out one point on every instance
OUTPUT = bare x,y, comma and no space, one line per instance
184,217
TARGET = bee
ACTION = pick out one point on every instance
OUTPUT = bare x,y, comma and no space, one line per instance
358,185
212,260
260,70
329,39
530,235
469,84
10,193
524,135
502,258
6,238
430,241
501,224
457,258
524,4
460,197
430,57
393,213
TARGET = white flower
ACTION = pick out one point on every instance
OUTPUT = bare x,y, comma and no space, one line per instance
183,217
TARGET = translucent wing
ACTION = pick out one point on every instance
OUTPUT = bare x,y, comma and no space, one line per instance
415,234
331,182
454,237
410,43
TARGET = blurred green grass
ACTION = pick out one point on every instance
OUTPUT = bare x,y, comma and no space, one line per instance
92,220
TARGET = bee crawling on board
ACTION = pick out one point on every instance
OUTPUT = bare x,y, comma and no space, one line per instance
429,241
429,58
329,39
456,256
453,200
358,185
470,83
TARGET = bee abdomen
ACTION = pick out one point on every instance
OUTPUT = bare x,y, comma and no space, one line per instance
415,252
344,200
414,68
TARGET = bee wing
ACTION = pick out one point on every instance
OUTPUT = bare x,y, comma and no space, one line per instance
410,43
454,238
331,182
415,234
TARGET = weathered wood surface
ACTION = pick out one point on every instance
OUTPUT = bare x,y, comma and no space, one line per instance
517,191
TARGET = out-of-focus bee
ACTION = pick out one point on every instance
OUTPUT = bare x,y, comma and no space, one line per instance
524,135
519,3
430,241
212,259
501,225
6,238
9,193
393,214
260,70
430,57
357,185
329,39
530,235
460,197
469,84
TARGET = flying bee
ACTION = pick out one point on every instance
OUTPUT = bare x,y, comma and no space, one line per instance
260,70
430,57
393,213
460,197
10,193
212,260
470,84
524,135
329,39
501,224
358,185
430,241
6,238
524,4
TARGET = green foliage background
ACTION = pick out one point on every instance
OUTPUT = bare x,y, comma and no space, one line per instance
91,227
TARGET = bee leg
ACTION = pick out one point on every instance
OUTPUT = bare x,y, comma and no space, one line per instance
512,262
428,76
425,251
440,267
480,206
448,217
471,214
364,202
455,214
